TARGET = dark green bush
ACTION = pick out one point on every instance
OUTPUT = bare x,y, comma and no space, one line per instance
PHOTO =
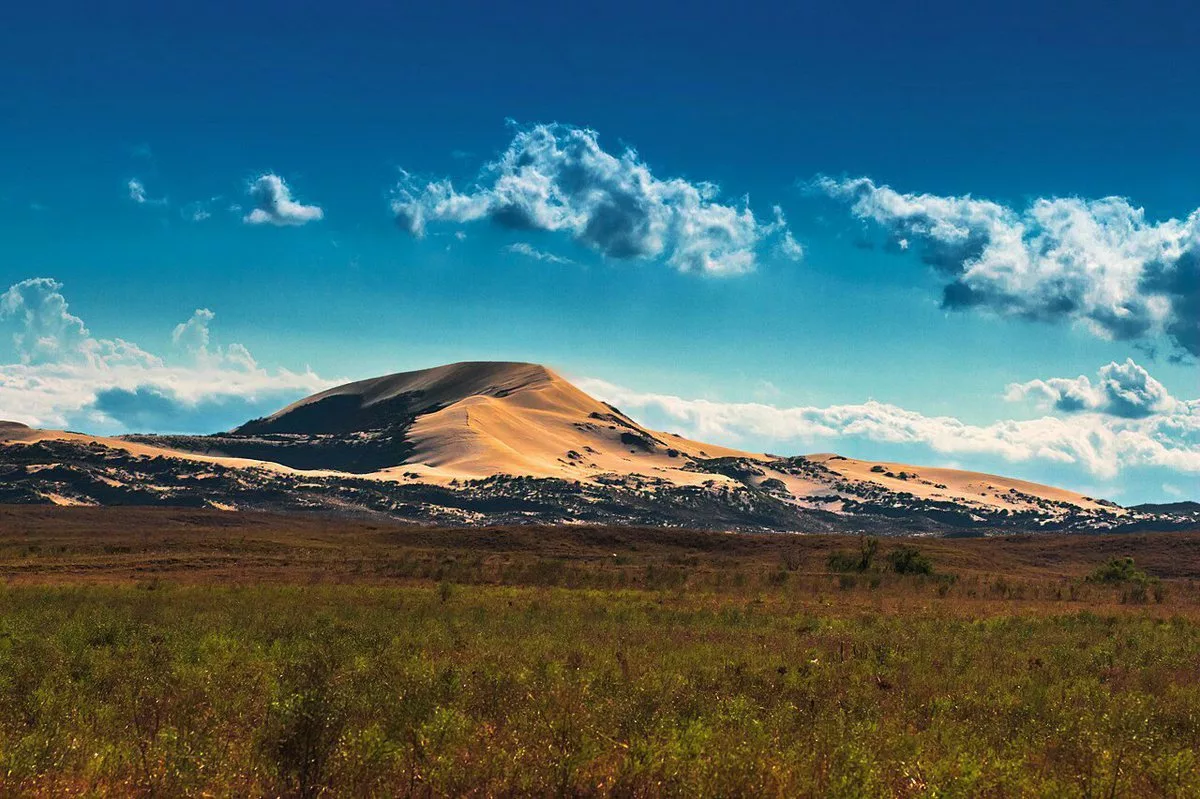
909,560
1118,570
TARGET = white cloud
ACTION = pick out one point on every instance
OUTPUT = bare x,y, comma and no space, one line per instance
1102,445
558,178
273,204
193,338
193,335
787,245
47,331
1122,389
1098,262
521,248
137,193
66,376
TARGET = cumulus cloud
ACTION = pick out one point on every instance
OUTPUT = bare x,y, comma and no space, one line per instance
1122,389
273,204
1098,262
193,338
558,178
1102,445
521,248
193,334
65,376
47,331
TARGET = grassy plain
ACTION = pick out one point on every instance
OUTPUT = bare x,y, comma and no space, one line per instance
174,652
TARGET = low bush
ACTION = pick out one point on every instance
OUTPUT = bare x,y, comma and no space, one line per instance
1118,570
909,560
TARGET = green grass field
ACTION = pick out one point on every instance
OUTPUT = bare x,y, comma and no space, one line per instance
683,666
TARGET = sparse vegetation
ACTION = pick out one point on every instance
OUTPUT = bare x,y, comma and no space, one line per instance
359,691
258,656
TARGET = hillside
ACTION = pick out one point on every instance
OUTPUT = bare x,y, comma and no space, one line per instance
500,442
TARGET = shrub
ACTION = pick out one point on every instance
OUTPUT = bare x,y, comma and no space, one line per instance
863,560
305,721
909,560
1118,570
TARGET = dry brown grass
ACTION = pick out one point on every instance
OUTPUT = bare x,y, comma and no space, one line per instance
67,543
975,576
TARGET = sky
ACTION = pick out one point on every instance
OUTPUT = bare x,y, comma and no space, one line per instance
947,235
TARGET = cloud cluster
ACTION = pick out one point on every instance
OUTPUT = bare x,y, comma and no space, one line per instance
1122,389
66,377
558,178
1102,445
273,204
1099,262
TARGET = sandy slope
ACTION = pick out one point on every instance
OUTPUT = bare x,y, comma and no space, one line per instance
953,484
478,419
549,428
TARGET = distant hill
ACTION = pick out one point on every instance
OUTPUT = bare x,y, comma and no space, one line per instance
500,442
1186,509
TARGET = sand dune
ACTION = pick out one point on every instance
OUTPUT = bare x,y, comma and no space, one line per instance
478,419
549,428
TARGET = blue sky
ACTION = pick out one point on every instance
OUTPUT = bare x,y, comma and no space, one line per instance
358,108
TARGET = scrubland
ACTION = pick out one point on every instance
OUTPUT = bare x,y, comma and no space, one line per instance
175,653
